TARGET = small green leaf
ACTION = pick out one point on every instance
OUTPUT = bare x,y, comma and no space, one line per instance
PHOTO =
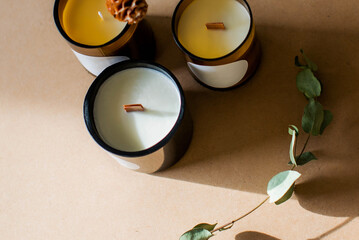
226,228
196,234
286,196
206,226
280,184
313,117
305,158
293,129
309,62
328,117
308,84
292,149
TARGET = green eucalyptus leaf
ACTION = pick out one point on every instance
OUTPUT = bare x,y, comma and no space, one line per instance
293,129
313,117
196,234
206,226
292,149
305,158
309,62
286,196
328,117
308,84
226,228
280,184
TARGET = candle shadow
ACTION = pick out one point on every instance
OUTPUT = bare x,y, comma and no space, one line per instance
240,137
167,52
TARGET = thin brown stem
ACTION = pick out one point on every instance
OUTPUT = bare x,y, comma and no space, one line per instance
305,145
230,224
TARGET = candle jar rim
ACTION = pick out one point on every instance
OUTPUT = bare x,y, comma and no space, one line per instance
198,58
91,96
70,40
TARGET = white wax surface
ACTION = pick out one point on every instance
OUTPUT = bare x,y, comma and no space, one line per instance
197,39
135,131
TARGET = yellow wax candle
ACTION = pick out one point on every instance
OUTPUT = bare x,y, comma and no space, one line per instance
89,22
198,40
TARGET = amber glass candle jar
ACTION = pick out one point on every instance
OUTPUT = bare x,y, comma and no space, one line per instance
218,41
98,39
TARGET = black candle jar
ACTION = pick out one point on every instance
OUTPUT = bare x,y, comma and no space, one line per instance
163,153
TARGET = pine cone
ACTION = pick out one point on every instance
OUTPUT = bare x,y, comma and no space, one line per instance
130,11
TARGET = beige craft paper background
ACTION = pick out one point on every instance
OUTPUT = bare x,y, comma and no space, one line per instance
56,183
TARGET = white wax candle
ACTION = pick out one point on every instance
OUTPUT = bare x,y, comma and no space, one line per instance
136,131
198,40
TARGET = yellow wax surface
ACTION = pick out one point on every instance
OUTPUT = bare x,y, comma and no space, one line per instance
197,39
89,22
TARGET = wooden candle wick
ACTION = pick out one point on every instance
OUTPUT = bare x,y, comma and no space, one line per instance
215,25
101,16
133,107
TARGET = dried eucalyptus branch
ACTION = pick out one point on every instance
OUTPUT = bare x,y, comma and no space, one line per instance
281,187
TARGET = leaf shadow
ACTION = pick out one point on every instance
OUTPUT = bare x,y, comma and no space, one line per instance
252,235
327,233
334,195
